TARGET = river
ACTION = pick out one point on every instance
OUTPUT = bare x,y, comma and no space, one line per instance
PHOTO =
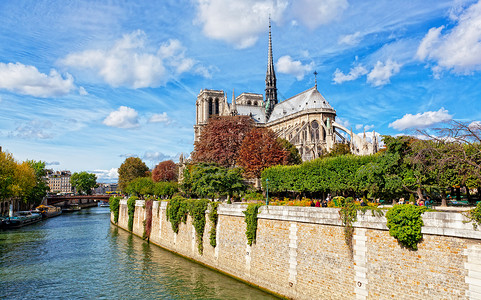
83,256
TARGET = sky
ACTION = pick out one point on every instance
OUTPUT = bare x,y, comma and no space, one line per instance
86,84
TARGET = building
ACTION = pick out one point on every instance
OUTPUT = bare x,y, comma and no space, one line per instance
106,188
307,120
59,181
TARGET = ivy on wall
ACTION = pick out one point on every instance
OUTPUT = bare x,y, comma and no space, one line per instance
251,220
114,203
131,211
404,223
213,217
474,216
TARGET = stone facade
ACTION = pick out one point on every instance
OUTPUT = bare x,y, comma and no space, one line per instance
300,253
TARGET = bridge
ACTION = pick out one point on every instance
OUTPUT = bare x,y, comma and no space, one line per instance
82,200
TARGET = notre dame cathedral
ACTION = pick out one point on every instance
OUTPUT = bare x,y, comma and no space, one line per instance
306,120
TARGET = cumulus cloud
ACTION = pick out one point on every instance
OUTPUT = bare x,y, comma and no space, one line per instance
475,125
238,22
354,73
382,72
343,122
82,91
106,175
156,156
35,129
459,47
124,117
130,63
160,118
350,39
421,120
52,163
313,13
28,80
286,65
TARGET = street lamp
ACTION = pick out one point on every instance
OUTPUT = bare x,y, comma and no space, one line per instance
267,191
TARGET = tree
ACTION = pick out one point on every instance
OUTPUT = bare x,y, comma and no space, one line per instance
259,150
339,149
165,171
41,187
221,139
294,158
7,175
83,182
210,180
140,186
131,168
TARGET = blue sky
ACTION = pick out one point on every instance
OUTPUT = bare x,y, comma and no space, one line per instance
85,84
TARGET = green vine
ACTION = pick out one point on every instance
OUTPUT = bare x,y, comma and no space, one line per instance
251,221
213,217
348,214
197,210
404,223
177,212
474,215
114,203
131,211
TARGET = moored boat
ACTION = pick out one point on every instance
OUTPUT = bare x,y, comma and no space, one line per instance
71,208
20,219
48,211
103,204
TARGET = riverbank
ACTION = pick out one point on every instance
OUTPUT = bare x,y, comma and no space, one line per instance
301,253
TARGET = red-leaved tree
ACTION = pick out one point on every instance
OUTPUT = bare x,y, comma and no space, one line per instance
259,150
165,171
221,139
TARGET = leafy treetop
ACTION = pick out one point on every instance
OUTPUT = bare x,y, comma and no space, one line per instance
165,171
131,168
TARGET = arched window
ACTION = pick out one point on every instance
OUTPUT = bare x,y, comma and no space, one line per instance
211,107
314,131
255,103
249,102
216,110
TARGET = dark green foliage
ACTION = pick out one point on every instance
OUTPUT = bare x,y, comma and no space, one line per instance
213,217
404,223
208,180
474,215
141,186
177,212
114,203
165,189
294,156
251,221
131,211
83,182
348,214
197,210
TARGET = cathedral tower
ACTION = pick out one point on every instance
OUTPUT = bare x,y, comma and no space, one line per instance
271,89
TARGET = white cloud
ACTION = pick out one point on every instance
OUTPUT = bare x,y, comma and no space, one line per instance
106,175
156,156
52,163
382,72
238,22
350,39
35,129
354,73
475,125
364,127
82,91
359,126
160,118
286,65
343,122
368,127
313,13
458,49
130,63
124,117
27,80
421,120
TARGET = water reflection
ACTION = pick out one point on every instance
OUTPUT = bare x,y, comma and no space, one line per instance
81,256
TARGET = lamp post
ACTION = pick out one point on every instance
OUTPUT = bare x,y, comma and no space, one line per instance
267,191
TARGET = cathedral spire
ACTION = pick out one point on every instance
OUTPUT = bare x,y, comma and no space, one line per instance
234,107
271,89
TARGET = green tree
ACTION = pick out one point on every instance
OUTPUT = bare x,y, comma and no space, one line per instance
131,168
7,175
41,187
141,187
339,149
83,182
294,158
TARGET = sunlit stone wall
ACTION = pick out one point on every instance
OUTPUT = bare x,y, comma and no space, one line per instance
300,253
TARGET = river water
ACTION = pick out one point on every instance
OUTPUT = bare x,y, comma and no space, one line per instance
83,256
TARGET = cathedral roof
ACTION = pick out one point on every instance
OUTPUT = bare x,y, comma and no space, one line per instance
257,113
309,99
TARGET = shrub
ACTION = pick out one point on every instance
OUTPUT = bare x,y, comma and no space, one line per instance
213,217
177,212
474,215
131,211
404,223
251,221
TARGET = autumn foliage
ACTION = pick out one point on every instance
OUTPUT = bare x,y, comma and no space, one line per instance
165,171
221,140
261,149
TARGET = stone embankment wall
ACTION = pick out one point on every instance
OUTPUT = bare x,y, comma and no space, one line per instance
300,253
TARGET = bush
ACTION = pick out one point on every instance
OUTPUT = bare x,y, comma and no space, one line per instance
251,221
474,215
131,211
404,223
